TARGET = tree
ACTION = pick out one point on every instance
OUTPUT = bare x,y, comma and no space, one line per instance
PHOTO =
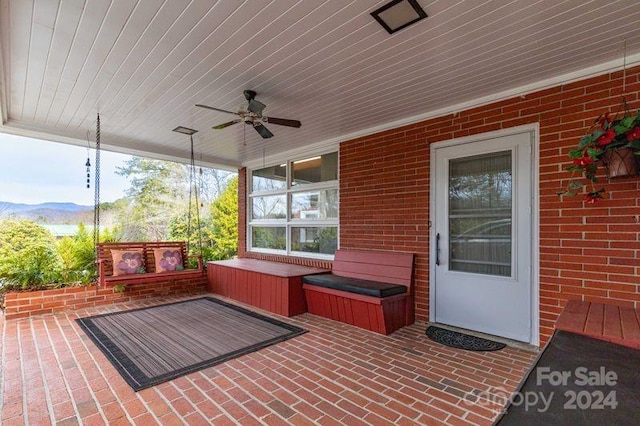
28,254
212,183
156,187
224,217
219,231
179,230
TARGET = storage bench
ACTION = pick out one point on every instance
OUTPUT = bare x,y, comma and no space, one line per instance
273,286
368,289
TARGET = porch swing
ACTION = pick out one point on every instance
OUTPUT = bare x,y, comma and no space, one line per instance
131,263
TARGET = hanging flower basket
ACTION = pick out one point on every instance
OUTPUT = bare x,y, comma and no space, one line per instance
613,143
620,162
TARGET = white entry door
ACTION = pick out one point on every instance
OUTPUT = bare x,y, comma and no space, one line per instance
482,238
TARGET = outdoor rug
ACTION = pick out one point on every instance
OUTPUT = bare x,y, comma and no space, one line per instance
152,345
457,340
578,380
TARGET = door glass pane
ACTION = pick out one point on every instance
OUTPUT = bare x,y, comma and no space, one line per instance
480,214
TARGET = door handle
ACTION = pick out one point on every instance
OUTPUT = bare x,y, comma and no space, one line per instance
438,249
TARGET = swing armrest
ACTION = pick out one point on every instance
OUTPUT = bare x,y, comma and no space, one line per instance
101,270
200,262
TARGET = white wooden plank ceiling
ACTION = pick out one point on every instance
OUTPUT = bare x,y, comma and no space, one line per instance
144,64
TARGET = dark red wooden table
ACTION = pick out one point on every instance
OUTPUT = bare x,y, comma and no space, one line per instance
616,324
272,286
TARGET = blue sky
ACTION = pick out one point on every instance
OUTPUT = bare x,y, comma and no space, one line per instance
34,171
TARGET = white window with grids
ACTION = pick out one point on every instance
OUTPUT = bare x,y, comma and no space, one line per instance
293,208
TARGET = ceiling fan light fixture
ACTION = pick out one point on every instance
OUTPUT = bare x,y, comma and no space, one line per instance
398,14
185,130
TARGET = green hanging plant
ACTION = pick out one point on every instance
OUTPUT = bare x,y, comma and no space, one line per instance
605,136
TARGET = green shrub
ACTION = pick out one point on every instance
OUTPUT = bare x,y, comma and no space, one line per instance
28,254
78,256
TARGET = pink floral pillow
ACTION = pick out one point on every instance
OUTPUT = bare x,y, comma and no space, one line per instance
127,262
168,259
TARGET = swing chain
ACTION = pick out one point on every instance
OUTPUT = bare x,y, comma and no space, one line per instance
193,189
96,204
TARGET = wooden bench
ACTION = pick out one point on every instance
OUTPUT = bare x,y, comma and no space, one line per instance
613,323
273,286
368,289
105,263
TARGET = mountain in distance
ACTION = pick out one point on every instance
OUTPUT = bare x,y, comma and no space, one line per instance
6,206
50,212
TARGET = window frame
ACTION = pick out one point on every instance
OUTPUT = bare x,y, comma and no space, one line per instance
289,223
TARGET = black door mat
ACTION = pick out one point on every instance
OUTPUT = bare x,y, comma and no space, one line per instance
462,341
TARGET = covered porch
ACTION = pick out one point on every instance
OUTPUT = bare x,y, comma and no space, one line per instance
382,116
334,374
381,126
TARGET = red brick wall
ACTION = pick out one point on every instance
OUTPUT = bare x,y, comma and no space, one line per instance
587,252
25,304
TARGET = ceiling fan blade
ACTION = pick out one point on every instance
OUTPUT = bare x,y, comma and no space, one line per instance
227,124
264,132
256,107
215,109
282,121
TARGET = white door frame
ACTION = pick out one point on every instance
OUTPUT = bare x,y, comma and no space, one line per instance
534,129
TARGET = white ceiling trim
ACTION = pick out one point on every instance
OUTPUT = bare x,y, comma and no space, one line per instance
143,64
319,148
583,74
25,129
29,130
4,90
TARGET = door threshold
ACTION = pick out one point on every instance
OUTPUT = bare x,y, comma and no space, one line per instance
509,342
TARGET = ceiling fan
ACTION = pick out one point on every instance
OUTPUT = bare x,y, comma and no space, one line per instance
252,114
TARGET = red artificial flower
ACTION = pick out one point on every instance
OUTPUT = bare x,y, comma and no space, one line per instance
606,138
583,161
592,197
633,134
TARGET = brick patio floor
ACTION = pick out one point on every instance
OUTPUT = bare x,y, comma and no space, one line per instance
335,374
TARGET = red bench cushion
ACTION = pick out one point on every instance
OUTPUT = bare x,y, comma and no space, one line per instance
355,285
